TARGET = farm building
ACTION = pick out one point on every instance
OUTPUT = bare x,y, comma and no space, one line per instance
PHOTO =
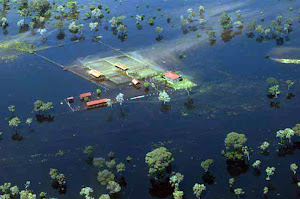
135,82
120,66
96,103
70,99
95,73
172,77
84,95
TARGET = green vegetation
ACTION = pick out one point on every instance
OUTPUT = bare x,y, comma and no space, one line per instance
164,97
206,164
98,91
274,90
272,80
289,83
14,123
58,180
235,146
105,176
158,160
182,85
175,180
40,106
264,146
294,168
270,171
18,46
239,192
198,189
88,150
11,108
285,135
225,21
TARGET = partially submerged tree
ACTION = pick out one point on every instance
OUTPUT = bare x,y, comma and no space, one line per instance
120,98
239,192
158,160
12,109
29,122
58,180
43,110
75,28
274,91
235,143
225,21
158,31
198,189
122,32
206,164
270,171
14,123
93,28
59,25
289,83
164,97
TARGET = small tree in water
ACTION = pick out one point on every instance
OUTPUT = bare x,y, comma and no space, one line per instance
159,30
42,110
98,91
14,123
164,97
120,98
12,109
158,160
29,122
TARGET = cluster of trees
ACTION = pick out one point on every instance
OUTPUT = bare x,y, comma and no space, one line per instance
42,114
274,91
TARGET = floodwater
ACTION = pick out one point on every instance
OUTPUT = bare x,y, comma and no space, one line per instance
231,95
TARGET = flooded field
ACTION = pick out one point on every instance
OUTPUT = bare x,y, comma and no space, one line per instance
149,99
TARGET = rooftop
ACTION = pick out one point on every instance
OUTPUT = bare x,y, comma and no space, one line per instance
121,66
96,102
172,75
83,95
135,81
95,73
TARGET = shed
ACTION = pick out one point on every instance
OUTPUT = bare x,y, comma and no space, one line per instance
95,73
135,82
84,95
96,103
70,99
120,66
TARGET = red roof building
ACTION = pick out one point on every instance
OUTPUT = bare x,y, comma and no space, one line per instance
172,77
135,82
84,95
96,103
70,99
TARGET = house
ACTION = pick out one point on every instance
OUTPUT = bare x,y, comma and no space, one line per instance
172,77
84,95
95,73
96,103
120,66
70,99
136,83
